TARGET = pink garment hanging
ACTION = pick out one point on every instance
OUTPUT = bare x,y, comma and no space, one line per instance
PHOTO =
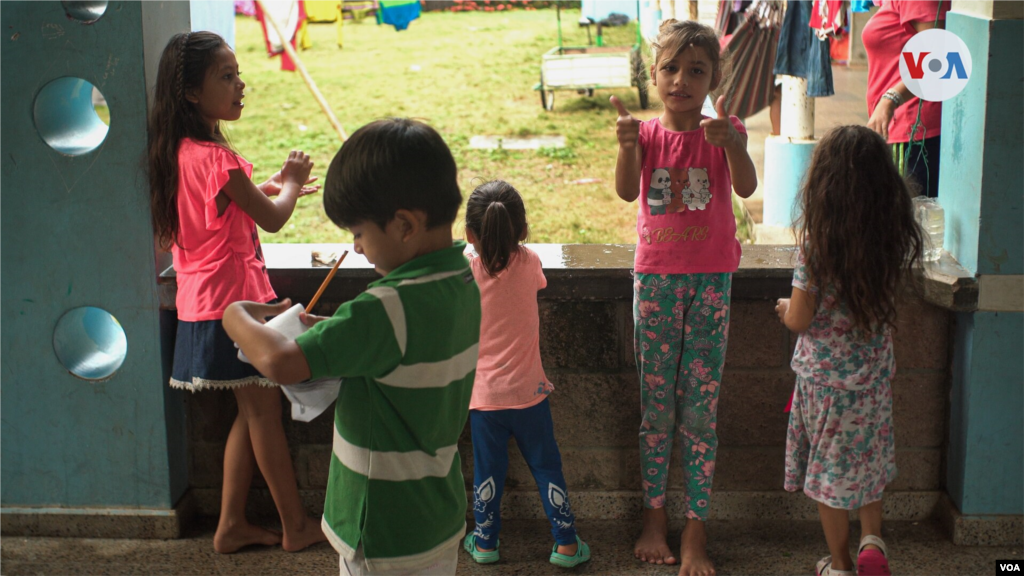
827,18
245,7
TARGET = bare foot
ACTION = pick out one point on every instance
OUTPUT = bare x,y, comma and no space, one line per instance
652,546
309,534
693,552
568,549
230,539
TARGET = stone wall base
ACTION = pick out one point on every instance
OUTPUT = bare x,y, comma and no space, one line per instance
987,530
134,523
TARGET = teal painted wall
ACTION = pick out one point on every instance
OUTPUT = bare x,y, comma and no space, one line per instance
981,174
75,231
1001,238
962,148
986,469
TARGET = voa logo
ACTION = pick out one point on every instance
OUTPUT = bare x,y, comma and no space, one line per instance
935,65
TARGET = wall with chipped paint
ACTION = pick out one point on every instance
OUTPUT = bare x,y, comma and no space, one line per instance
982,146
76,232
981,191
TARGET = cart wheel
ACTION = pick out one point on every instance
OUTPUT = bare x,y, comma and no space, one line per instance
547,97
640,78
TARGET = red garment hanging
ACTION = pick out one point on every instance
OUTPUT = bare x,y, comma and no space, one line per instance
827,18
291,28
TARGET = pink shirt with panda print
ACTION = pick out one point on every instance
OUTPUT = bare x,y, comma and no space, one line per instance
685,223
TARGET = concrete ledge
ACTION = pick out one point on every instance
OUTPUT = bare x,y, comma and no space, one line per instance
949,285
134,523
1001,530
580,272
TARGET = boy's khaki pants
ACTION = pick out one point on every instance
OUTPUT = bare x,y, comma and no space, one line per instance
445,566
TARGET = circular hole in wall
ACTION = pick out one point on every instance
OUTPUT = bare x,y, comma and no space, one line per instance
85,12
99,104
66,117
90,343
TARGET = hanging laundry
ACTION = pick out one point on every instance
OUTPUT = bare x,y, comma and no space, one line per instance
245,7
861,5
751,50
322,10
290,16
398,13
801,53
827,18
358,9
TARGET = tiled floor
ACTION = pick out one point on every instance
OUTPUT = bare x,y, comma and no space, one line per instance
738,547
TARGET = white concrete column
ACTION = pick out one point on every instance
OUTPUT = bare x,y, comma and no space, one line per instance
797,109
668,9
682,9
788,156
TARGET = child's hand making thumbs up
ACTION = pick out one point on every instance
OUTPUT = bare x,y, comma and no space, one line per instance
627,166
627,128
720,131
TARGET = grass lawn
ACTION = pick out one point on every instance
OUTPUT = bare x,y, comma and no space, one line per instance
476,71
466,74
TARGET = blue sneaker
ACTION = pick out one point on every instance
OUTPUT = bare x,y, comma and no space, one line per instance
479,556
581,556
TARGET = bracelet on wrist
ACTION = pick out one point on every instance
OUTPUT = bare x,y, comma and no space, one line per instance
894,97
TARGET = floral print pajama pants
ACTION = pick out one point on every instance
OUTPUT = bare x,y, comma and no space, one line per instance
681,331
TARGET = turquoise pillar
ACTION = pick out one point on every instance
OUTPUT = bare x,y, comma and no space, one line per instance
981,191
88,421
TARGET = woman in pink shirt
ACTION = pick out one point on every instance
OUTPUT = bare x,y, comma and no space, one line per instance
683,167
510,392
893,108
205,209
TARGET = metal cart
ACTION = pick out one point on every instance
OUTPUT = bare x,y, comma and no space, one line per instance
587,68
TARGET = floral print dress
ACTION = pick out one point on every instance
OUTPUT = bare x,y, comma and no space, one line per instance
839,445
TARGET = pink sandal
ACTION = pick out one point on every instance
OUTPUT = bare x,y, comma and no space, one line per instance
872,562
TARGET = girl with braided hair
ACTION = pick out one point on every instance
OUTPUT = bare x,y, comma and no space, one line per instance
205,209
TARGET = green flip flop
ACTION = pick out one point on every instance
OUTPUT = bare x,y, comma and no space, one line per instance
479,556
581,556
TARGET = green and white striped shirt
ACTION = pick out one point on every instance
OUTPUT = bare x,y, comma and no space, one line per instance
407,350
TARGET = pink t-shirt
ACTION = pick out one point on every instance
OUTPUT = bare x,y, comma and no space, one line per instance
884,36
217,259
685,222
509,374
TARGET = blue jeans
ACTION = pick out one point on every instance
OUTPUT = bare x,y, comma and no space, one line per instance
535,436
800,53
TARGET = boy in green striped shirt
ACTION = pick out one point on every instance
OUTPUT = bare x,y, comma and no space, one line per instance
406,348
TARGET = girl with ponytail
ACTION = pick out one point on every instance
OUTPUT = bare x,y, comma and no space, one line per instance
510,391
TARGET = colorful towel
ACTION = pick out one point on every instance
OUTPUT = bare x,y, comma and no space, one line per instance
398,13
